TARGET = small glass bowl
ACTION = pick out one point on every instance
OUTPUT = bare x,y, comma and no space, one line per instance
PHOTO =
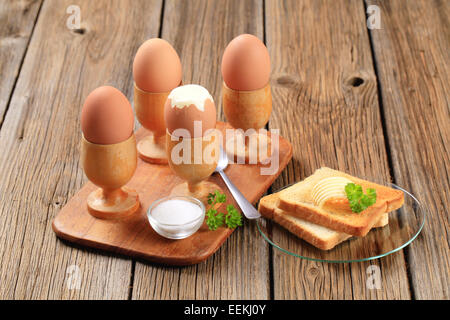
176,231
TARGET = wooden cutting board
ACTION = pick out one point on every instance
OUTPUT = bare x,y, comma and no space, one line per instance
135,237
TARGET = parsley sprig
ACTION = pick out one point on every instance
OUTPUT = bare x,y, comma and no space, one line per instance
215,219
358,200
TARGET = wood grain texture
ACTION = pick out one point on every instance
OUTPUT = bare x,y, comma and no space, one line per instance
200,31
41,133
325,102
17,20
317,47
134,237
412,55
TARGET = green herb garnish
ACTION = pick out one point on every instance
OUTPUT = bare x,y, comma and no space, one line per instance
215,219
233,217
358,200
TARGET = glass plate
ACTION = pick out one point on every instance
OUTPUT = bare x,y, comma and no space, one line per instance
404,226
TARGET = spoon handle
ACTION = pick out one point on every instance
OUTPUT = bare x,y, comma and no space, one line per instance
247,208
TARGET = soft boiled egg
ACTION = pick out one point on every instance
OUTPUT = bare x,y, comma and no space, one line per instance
157,66
187,105
246,64
107,116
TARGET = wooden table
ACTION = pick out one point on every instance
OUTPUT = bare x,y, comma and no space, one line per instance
371,102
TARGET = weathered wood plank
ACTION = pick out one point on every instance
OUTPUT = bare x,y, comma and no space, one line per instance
39,140
320,50
412,55
17,20
200,31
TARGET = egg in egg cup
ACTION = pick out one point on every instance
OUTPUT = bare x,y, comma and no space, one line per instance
108,153
193,143
156,71
247,98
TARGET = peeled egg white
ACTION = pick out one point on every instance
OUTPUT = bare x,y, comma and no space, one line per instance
188,104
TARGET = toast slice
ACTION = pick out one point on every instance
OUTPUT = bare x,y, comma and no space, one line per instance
297,200
319,236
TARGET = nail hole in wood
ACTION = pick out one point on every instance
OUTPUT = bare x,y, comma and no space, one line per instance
355,81
79,30
21,134
287,81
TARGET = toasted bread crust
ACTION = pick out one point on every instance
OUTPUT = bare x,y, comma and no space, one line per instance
268,208
325,230
357,224
310,237
331,221
285,221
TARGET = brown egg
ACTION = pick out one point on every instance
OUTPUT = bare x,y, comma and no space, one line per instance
156,66
246,63
107,116
187,104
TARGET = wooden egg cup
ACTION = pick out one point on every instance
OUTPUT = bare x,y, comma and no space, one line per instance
110,166
248,110
149,108
198,168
